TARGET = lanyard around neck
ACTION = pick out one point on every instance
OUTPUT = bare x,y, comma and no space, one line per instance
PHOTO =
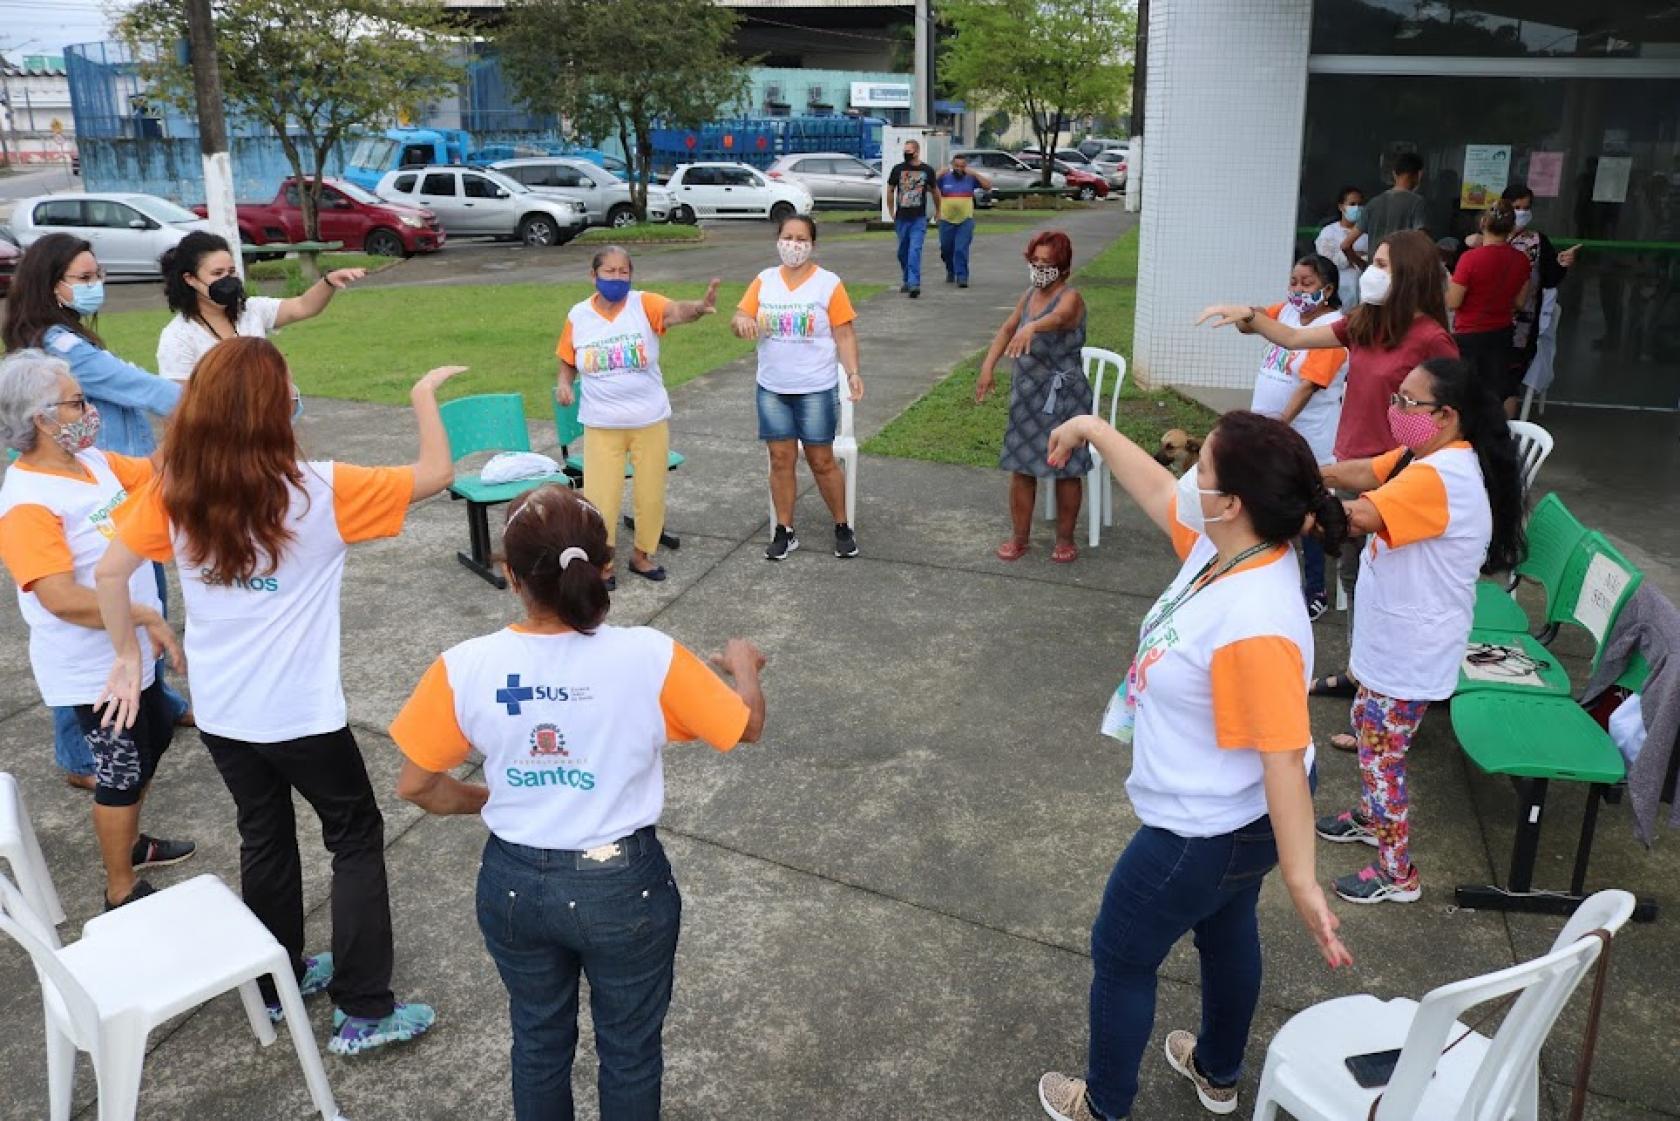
1201,580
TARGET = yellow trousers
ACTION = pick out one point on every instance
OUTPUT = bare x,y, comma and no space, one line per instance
604,451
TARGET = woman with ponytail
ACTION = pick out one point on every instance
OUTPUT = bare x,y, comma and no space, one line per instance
1490,284
572,717
1214,707
1442,507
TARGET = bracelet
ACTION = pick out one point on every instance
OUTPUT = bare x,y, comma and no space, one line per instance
1249,318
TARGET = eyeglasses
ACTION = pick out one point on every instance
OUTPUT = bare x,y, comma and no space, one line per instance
1402,401
77,403
85,277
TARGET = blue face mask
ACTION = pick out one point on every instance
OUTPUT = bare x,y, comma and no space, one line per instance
87,299
612,291
1352,211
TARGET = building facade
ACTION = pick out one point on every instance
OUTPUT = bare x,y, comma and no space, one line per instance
1259,111
35,112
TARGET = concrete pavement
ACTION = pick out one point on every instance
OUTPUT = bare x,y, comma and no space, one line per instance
888,900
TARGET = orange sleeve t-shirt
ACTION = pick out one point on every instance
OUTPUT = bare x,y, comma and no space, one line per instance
370,502
840,309
1260,695
33,545
426,729
698,705
1412,503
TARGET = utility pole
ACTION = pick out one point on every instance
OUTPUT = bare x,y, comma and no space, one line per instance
1140,86
212,127
921,92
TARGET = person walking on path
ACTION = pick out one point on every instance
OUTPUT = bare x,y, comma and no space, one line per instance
1350,204
210,302
59,286
1397,209
1489,287
1442,506
259,537
1214,707
1044,335
906,191
1401,321
1303,388
611,340
56,504
957,185
573,882
802,318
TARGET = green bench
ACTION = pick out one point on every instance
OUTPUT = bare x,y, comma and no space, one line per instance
488,422
568,430
1539,734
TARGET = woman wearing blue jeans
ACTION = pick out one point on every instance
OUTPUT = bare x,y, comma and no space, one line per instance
1214,707
572,718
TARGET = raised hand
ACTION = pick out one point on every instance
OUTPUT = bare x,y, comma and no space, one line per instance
739,657
1227,314
434,378
343,278
708,302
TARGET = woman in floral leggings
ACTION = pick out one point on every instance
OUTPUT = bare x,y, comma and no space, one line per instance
1441,507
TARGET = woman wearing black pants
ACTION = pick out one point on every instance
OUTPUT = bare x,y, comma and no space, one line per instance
1488,287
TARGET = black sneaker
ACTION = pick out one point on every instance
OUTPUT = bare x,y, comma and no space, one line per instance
151,852
845,541
962,284
914,292
141,890
904,288
783,544
949,279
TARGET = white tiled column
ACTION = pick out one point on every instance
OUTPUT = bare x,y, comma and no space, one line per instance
1222,134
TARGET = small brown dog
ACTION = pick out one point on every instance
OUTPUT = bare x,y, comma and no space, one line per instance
1179,451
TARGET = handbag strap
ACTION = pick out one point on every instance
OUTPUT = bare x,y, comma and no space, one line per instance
1578,1102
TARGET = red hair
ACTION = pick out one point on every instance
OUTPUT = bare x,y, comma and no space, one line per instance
1061,249
230,461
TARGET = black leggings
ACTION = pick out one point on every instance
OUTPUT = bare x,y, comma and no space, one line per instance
1489,355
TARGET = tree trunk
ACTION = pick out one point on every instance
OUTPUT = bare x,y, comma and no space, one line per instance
638,173
308,202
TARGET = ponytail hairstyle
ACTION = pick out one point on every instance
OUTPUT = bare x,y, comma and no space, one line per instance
1270,467
1481,421
1500,219
554,546
1327,276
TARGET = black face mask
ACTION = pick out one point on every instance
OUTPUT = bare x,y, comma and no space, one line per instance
909,156
229,292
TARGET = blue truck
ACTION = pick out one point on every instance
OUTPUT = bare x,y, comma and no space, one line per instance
371,157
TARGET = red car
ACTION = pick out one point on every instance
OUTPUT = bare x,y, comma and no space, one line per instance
9,254
362,221
1080,183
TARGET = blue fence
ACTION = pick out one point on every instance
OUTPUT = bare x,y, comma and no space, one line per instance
174,169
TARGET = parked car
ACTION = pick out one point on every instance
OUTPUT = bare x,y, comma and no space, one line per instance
129,232
734,190
363,221
1006,172
479,202
1093,146
1081,183
10,251
1112,165
1067,155
834,179
605,197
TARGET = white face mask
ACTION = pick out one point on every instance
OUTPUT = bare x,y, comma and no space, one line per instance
1189,512
1373,285
793,252
1524,217
1043,276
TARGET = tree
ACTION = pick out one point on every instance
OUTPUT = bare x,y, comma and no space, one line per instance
614,68
310,71
1048,61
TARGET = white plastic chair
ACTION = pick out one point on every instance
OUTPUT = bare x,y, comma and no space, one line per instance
23,853
1481,1079
845,453
142,964
1534,446
1099,484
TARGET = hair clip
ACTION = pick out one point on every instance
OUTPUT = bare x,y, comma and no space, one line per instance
570,554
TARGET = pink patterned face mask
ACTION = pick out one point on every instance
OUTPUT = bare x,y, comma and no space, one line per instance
1411,430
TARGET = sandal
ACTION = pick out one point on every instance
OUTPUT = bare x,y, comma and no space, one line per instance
1341,741
1064,554
1333,685
1012,550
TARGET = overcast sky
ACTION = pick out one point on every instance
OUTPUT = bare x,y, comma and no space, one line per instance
37,27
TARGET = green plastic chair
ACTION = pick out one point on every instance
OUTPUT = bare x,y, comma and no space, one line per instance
1596,585
568,429
1553,535
487,422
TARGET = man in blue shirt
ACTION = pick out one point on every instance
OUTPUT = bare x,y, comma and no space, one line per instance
957,185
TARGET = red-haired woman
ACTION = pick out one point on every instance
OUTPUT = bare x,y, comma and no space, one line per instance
1044,335
258,535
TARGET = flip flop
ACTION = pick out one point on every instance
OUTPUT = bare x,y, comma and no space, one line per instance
1064,554
1341,741
1012,550
1333,685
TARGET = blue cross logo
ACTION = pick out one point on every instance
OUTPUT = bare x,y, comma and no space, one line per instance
513,694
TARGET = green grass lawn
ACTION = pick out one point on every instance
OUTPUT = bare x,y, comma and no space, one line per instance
640,234
372,344
946,426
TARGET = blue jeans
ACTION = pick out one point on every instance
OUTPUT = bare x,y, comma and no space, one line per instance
1162,887
1312,567
548,915
911,233
810,418
954,240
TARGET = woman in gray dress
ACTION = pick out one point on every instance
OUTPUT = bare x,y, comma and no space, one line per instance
1044,335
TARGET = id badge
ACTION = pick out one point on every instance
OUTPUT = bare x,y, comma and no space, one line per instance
1120,717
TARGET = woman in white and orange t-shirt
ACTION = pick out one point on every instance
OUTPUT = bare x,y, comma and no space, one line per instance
1442,507
572,718
1215,709
802,318
259,535
1303,388
611,341
56,506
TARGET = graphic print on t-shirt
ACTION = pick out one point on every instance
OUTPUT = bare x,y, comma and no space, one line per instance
100,517
550,757
792,322
625,352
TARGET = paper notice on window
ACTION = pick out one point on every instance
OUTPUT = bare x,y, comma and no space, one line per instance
1611,183
1545,174
1601,590
1487,169
1507,665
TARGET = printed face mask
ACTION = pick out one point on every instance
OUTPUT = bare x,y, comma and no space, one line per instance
79,434
793,252
1305,301
1189,511
1373,285
1043,276
87,299
1411,430
612,291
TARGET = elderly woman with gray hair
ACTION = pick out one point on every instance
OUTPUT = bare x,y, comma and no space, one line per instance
57,505
611,341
